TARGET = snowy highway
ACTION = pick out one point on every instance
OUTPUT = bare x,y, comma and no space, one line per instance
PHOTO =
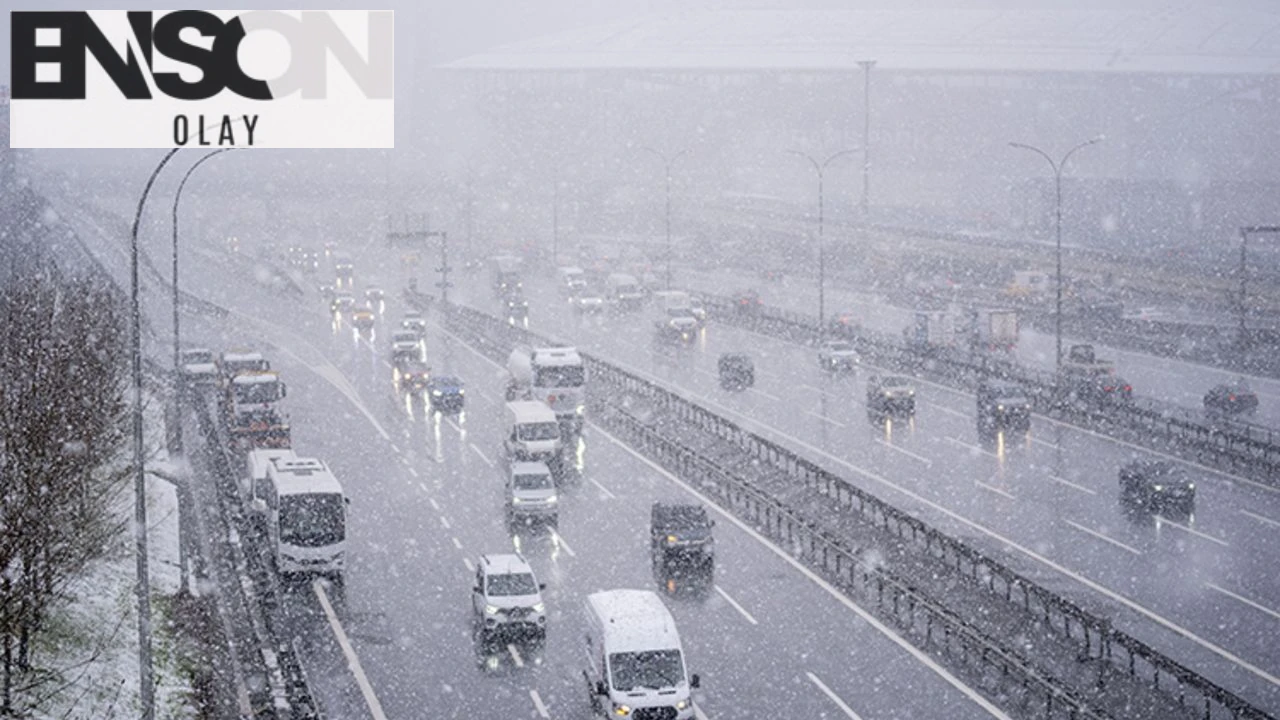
427,501
1199,589
1174,381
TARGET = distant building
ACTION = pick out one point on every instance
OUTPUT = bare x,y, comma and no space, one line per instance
1185,93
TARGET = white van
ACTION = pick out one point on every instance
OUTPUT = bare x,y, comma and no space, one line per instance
532,432
634,657
306,516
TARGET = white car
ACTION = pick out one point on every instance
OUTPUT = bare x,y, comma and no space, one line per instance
407,343
506,598
531,493
834,355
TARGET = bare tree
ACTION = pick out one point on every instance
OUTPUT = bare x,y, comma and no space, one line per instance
63,433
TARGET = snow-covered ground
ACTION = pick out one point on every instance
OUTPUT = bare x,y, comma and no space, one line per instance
87,660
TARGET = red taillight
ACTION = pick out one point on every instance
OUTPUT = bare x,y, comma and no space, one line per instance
1231,398
1109,388
551,399
1128,388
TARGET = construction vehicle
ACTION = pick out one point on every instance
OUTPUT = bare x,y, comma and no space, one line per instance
554,375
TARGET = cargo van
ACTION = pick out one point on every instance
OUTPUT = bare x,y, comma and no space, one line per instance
532,432
256,463
635,663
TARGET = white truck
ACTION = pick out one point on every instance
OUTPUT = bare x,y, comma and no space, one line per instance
623,292
306,513
554,375
635,664
992,329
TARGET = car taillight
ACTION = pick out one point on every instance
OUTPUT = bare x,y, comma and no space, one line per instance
1231,398
1128,388
551,399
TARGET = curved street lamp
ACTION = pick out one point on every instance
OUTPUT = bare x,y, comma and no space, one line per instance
1057,183
820,168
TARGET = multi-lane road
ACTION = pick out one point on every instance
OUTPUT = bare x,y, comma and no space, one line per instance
426,501
1201,589
1174,381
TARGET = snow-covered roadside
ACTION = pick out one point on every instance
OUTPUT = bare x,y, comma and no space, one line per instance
87,658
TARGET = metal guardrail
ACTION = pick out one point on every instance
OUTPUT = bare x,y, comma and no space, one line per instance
287,694
1096,635
1240,447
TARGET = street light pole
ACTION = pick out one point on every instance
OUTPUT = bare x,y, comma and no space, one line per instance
666,163
1057,183
146,679
820,168
176,437
866,66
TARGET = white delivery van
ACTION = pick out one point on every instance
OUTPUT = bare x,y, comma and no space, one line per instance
306,517
572,280
635,664
532,432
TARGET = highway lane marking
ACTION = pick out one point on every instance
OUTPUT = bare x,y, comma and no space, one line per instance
353,662
470,566
970,446
920,656
1052,446
1091,584
434,505
339,381
413,472
1070,484
476,448
515,655
736,606
824,418
832,696
555,534
994,489
811,388
949,411
908,453
603,489
453,424
537,703
1197,533
396,448
1245,600
774,398
1102,537
1260,518
456,543
697,713
445,522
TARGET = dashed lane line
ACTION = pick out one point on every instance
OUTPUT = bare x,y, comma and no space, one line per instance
445,522
1260,518
456,543
927,462
483,457
413,472
1251,603
1102,537
353,662
603,489
736,606
826,419
833,697
994,489
538,704
1192,531
470,566
1070,484
555,535
434,505
515,655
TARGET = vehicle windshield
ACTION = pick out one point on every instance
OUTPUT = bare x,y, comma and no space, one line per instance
560,376
253,393
198,357
895,381
405,337
654,669
539,431
235,367
512,584
534,481
312,520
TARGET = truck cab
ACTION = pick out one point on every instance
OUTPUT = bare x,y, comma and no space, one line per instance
681,547
555,375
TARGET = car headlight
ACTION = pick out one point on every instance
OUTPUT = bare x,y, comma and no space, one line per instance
553,499
672,539
1191,486
581,409
462,391
1157,488
621,710
491,609
436,393
539,607
517,501
682,704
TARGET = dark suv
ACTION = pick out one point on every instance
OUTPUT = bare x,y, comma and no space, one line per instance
681,547
891,395
1155,486
1230,399
1002,406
